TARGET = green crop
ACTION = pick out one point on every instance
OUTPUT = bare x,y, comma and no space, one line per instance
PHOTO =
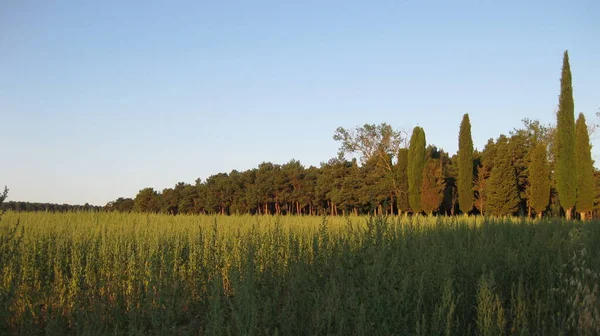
139,274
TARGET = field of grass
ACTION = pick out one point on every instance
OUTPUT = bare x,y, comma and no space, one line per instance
138,274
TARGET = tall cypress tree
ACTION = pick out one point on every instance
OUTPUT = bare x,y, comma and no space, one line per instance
402,176
539,179
585,168
566,177
502,190
465,166
416,162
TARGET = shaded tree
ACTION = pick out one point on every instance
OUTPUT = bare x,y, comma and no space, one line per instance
585,169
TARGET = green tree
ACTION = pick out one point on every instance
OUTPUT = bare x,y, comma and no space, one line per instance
566,176
402,181
147,200
376,144
465,166
432,186
585,168
416,162
502,191
539,179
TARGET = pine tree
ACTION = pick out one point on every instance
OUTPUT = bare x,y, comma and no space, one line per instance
465,166
539,179
416,162
433,185
402,182
502,190
566,177
585,168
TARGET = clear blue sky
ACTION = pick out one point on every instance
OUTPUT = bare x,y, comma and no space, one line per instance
99,99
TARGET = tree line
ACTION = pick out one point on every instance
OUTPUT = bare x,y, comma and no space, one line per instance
533,170
50,207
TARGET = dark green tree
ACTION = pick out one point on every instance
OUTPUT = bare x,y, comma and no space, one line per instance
539,179
502,191
566,177
416,162
402,181
585,169
465,166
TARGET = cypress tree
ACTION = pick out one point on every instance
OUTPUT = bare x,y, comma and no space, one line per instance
465,166
416,162
503,193
566,176
432,187
585,168
539,179
402,176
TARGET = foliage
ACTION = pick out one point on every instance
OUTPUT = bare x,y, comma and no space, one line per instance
539,190
402,177
370,141
502,192
416,162
147,200
566,176
432,187
465,166
585,168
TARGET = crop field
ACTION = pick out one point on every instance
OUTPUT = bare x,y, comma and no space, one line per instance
87,273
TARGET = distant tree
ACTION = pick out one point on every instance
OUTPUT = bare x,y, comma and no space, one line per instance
465,166
121,205
502,191
432,187
147,200
402,181
585,169
539,179
170,201
416,162
566,176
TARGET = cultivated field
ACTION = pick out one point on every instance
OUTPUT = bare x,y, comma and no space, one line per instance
138,274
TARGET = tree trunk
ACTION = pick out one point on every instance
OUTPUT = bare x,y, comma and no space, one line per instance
568,213
391,208
528,211
539,215
583,216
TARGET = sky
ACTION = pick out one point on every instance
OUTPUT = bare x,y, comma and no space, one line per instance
99,99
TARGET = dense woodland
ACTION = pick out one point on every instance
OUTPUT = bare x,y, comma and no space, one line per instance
530,171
